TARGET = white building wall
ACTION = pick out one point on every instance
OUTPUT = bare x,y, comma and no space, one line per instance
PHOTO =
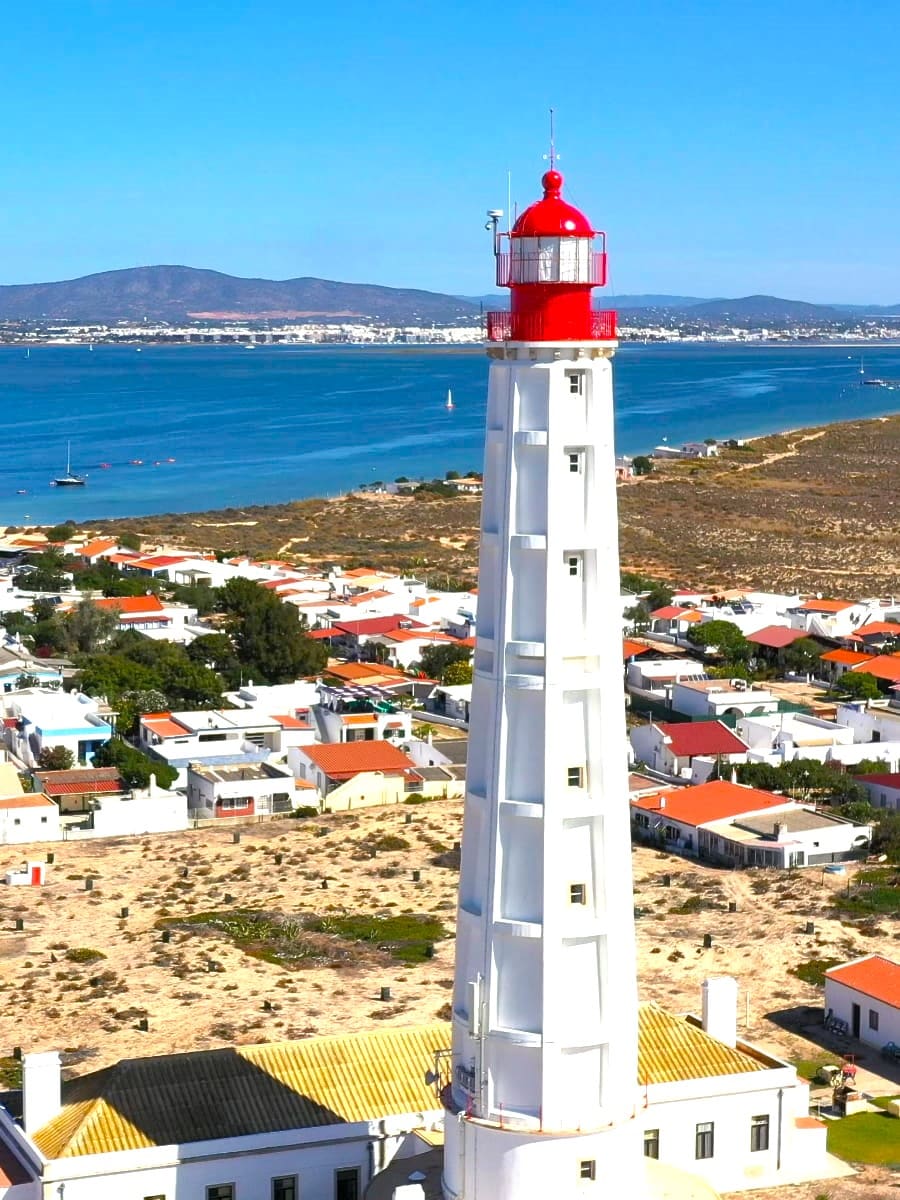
250,1163
840,999
115,816
867,722
21,825
730,1102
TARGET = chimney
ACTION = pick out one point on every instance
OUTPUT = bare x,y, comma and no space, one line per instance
780,830
662,802
720,1008
41,1089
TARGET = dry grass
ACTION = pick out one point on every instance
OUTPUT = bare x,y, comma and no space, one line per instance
200,989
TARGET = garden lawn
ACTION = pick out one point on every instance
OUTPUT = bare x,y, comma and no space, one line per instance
866,1138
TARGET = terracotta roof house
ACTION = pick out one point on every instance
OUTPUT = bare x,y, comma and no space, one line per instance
776,637
672,747
75,790
865,995
358,774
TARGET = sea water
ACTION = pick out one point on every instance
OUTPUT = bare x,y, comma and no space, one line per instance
284,422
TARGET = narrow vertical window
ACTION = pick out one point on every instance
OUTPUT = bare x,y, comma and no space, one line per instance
703,1140
587,1168
759,1132
651,1143
576,461
575,776
576,382
573,565
578,893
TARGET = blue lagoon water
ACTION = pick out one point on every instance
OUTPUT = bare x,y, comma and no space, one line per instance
287,422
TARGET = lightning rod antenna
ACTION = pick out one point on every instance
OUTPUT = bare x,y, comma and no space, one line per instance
552,142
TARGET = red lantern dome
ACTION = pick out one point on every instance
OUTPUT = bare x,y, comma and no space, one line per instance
552,216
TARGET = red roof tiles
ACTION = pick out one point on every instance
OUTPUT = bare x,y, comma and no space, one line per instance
343,760
715,801
131,604
882,666
689,738
874,976
672,612
826,606
776,637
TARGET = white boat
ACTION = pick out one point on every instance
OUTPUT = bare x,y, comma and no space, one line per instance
449,405
69,480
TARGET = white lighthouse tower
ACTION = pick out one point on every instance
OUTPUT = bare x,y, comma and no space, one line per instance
541,1094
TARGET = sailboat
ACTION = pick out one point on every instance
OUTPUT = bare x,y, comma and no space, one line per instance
69,480
449,405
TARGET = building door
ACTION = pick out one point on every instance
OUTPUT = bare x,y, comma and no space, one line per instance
854,1020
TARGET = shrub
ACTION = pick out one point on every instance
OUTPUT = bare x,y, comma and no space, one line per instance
84,954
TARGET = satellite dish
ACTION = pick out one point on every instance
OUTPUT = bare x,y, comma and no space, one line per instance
431,1078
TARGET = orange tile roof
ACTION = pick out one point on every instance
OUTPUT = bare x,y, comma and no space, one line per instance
131,604
163,560
419,635
873,975
826,606
97,546
360,572
358,718
286,721
850,657
343,760
362,597
358,671
122,557
883,666
673,612
630,648
876,627
715,801
163,725
29,800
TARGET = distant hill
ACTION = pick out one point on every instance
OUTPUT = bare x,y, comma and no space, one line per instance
500,300
183,293
762,308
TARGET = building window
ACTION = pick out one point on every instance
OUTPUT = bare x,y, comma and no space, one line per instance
155,1197
16,821
573,565
651,1143
703,1140
284,1187
220,1191
576,462
759,1132
346,1184
578,893
576,382
575,776
587,1168
873,1018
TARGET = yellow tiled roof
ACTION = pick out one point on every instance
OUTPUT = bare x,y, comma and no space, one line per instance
214,1094
672,1048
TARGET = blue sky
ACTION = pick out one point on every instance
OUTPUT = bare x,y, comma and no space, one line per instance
726,148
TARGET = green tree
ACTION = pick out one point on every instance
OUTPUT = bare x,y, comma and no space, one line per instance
452,475
858,685
60,533
134,767
56,758
213,650
132,705
886,835
653,593
129,541
721,637
871,766
457,673
437,658
803,656
46,573
860,812
16,623
642,464
88,627
269,640
197,595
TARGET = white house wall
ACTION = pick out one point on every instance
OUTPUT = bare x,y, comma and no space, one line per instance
840,999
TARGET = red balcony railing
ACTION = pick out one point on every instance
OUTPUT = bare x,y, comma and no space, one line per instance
534,327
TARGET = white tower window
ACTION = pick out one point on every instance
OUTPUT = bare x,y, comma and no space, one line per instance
578,893
576,461
587,1168
575,381
573,565
575,776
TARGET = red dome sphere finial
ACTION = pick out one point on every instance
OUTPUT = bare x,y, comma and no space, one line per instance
552,184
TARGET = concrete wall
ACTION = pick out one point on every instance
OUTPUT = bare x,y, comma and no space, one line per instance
164,812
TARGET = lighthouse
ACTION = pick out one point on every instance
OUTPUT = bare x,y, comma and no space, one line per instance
540,1090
